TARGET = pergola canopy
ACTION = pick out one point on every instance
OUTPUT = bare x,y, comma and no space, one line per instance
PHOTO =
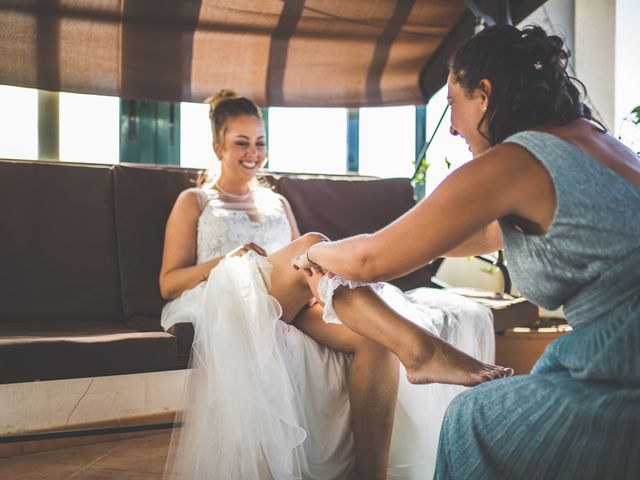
279,53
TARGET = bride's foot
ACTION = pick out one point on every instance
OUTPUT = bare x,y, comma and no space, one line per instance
439,362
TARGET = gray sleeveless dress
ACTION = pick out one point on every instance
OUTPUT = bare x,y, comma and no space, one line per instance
577,415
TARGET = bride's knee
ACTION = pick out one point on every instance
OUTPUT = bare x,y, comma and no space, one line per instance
311,238
295,248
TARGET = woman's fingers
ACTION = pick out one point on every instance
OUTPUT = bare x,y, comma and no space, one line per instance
302,263
317,269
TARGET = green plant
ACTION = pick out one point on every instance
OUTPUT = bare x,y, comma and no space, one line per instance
634,117
419,180
420,177
489,269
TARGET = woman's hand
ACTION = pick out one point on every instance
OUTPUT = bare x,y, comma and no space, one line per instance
302,262
246,248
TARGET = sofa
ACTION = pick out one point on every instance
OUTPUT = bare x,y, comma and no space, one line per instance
81,250
80,253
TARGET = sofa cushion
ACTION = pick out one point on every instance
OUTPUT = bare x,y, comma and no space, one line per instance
49,351
144,196
184,334
57,255
340,208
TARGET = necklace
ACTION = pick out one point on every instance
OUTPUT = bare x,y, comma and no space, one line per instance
232,195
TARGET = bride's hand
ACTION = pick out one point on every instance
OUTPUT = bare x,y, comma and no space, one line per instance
246,248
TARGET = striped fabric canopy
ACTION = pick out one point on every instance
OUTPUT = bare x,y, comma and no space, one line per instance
278,52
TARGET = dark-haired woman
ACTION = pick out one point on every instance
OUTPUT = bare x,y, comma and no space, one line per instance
563,198
265,401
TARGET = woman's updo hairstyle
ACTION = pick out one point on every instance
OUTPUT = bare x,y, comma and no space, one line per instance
530,85
225,105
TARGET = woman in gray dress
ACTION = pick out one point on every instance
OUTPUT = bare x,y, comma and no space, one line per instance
562,197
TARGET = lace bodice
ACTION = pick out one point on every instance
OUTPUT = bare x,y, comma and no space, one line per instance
222,229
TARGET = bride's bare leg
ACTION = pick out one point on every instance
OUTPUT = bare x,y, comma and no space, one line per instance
373,376
373,390
288,286
427,358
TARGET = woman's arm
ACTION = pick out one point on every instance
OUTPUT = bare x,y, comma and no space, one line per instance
179,271
453,220
485,240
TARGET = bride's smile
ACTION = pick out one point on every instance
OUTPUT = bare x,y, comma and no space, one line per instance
248,164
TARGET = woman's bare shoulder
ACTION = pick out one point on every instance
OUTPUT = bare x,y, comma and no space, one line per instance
192,200
598,144
505,160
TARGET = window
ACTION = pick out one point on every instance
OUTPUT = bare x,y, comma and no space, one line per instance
387,141
196,150
446,152
89,128
303,140
309,140
18,123
627,73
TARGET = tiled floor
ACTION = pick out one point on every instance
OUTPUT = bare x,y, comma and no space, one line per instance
140,458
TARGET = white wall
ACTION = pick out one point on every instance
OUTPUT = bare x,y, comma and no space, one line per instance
627,70
555,16
602,36
33,406
595,23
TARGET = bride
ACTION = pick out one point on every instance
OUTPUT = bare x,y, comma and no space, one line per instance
320,394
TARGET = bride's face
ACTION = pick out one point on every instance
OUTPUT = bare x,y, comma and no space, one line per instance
243,150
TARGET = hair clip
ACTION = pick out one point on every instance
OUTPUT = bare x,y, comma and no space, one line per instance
537,65
524,35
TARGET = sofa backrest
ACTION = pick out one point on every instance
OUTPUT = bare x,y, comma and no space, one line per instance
84,242
341,208
144,196
58,259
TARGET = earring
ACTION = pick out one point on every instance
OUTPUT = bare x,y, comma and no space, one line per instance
484,108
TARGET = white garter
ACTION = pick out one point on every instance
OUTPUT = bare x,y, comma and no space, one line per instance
327,286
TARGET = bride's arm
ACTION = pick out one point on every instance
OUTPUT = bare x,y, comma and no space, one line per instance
457,219
179,271
295,231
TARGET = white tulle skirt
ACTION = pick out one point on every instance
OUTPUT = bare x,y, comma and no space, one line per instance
264,401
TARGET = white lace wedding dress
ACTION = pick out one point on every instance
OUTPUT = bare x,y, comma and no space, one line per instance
263,400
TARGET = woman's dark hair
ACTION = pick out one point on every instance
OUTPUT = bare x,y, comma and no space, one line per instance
225,105
530,85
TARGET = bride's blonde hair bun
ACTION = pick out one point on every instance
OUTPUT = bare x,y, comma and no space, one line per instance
224,94
227,104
